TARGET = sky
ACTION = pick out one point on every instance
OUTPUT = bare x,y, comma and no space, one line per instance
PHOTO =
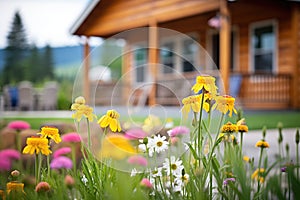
45,21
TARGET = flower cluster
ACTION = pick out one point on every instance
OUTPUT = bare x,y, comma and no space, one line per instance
82,110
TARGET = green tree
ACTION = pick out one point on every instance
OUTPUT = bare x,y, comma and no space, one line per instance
47,63
15,52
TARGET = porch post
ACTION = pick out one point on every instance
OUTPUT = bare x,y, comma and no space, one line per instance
294,94
126,70
225,31
153,58
86,81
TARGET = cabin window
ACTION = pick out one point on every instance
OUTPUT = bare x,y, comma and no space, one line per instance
190,52
167,57
263,46
140,58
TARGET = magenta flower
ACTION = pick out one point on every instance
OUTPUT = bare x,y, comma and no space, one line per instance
18,125
71,137
5,164
61,162
137,160
135,134
10,154
146,183
6,158
61,151
178,130
227,180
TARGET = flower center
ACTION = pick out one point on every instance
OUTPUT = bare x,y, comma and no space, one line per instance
159,143
173,166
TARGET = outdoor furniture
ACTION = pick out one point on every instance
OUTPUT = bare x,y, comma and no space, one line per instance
26,96
48,98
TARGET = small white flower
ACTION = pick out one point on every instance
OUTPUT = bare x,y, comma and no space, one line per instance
173,166
133,172
156,172
157,144
181,180
84,179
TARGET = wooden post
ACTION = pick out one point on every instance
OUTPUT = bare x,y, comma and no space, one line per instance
225,31
126,72
153,59
86,81
294,94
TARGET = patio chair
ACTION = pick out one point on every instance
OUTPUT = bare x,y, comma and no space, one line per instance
26,96
49,96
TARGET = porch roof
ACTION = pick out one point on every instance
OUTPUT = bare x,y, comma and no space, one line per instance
104,18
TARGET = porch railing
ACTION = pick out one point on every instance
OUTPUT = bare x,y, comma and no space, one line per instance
266,90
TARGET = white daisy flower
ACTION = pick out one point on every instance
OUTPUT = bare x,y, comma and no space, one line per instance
173,166
156,172
157,144
134,172
181,180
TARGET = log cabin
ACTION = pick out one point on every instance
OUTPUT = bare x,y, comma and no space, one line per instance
253,46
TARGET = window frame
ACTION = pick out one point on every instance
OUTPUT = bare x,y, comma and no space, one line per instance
261,24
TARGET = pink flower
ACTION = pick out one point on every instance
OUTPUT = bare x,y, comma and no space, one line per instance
5,164
10,154
137,160
146,183
42,187
6,157
71,137
18,125
61,162
174,140
69,180
61,151
179,130
135,134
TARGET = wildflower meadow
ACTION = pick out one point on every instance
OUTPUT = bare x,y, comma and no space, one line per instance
202,159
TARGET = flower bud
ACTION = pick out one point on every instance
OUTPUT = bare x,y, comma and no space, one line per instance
280,138
297,136
15,173
42,187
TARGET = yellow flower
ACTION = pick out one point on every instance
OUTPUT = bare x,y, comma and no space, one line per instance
84,110
258,175
207,83
111,119
194,102
116,146
14,186
229,128
50,132
80,100
151,123
262,144
242,127
37,145
224,104
246,159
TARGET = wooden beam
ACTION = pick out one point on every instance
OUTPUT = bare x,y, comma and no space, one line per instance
225,31
126,72
153,59
86,65
294,96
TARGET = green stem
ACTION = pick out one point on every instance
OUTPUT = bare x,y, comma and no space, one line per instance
242,133
48,166
199,127
89,134
297,160
259,164
36,168
73,157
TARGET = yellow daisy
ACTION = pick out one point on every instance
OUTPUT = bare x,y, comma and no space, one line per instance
224,104
194,102
111,119
207,83
242,127
84,110
50,132
37,145
229,128
258,175
262,144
